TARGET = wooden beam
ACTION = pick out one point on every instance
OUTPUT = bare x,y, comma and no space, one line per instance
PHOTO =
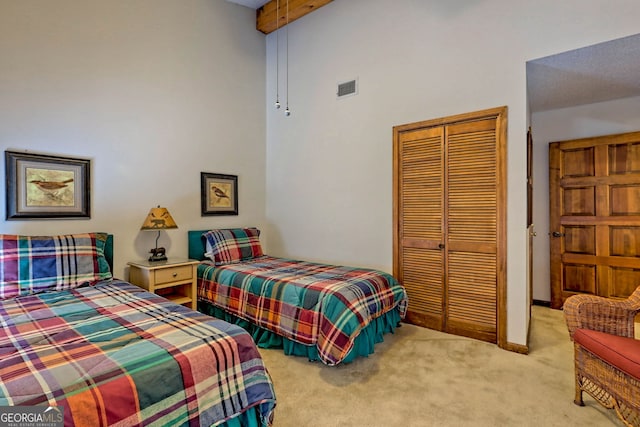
266,15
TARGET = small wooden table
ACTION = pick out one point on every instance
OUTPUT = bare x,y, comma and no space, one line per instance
174,279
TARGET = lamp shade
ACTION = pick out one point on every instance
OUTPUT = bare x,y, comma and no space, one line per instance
158,219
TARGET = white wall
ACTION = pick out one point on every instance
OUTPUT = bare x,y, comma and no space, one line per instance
153,92
329,165
156,91
604,118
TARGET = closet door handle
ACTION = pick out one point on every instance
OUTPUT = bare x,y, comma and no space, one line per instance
441,246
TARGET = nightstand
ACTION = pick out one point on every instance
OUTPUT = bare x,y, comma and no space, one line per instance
174,279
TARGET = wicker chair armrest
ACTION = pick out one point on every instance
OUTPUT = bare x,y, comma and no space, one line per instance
612,316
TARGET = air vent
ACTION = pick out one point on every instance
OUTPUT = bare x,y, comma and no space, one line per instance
347,88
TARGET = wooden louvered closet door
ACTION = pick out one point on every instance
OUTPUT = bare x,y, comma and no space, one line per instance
449,222
422,183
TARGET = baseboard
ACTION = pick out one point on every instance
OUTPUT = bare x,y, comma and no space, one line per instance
542,303
517,348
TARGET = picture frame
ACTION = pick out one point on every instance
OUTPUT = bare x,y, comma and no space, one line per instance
218,194
40,186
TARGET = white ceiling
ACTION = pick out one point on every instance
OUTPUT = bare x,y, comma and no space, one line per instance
253,4
602,72
598,73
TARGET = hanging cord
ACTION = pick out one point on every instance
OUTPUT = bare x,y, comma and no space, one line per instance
277,104
287,112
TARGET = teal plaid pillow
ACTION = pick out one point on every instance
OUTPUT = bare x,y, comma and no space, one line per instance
33,264
226,246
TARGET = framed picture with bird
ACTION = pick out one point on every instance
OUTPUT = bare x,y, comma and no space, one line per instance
218,194
44,186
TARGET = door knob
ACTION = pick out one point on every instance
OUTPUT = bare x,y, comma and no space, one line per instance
441,246
557,234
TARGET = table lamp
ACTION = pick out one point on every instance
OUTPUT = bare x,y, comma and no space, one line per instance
158,219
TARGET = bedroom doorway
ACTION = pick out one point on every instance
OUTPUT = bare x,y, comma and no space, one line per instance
582,92
450,222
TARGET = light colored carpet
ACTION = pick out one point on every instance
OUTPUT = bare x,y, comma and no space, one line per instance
420,377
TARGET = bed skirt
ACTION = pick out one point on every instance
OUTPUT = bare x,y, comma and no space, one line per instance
363,345
249,418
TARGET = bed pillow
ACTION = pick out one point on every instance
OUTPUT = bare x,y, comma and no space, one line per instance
230,245
33,264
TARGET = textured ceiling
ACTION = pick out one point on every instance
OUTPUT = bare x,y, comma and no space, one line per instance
602,72
253,4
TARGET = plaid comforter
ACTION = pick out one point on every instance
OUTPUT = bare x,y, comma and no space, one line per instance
114,354
312,304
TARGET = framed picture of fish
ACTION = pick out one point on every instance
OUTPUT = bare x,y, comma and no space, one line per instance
40,186
218,194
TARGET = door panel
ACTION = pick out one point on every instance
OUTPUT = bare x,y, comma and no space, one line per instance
421,201
623,281
471,229
625,241
625,199
580,239
579,201
580,278
471,296
578,162
423,280
624,158
594,192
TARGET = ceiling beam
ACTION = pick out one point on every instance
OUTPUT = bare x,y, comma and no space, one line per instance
266,15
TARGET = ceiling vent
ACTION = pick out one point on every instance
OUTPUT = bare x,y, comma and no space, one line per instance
349,88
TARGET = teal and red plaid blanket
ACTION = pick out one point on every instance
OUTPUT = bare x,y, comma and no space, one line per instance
114,354
313,304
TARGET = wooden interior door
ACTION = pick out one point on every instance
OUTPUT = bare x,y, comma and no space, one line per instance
594,191
530,226
449,222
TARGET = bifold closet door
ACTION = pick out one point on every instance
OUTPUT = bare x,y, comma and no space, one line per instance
449,222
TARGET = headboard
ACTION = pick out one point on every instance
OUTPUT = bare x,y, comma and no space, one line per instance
196,244
108,251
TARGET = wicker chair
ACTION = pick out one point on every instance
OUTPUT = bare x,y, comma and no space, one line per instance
606,352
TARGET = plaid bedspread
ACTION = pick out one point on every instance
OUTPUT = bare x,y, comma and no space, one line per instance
114,354
313,304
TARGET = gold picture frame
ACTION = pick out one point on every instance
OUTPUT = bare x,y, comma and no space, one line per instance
218,194
42,186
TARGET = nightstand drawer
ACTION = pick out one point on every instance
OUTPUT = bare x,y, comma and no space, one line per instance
173,274
175,279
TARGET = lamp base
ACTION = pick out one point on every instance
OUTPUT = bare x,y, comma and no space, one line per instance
157,254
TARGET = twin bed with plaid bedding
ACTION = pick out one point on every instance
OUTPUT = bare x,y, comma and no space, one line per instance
114,354
325,306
